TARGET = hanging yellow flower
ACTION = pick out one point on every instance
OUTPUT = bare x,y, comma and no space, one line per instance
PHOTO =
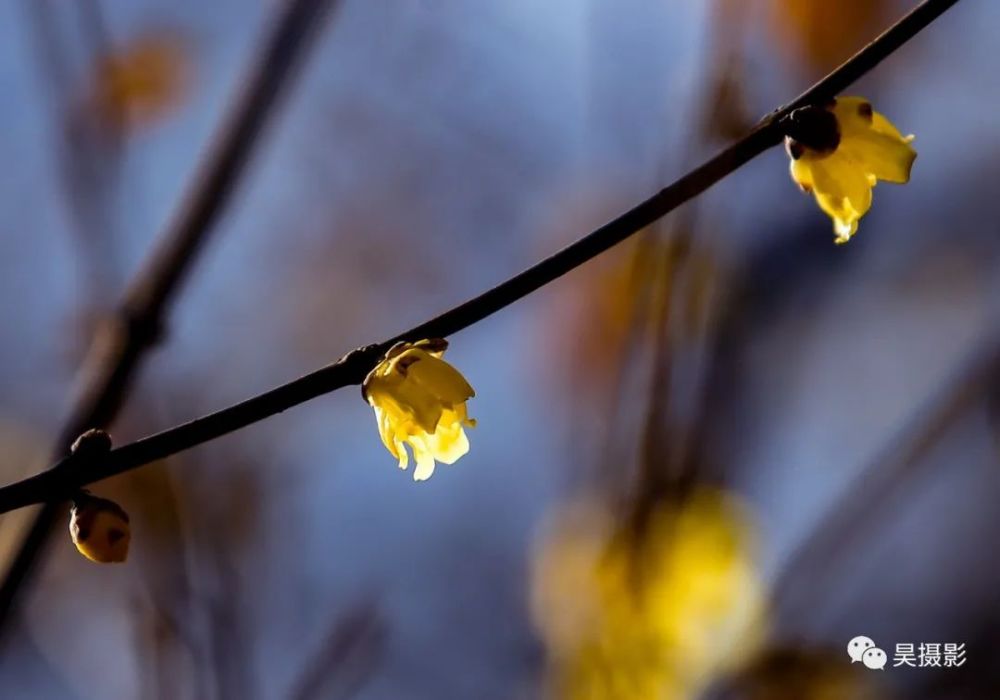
840,151
420,399
99,529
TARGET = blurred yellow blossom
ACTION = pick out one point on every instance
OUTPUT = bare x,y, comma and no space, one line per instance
840,151
420,399
650,617
99,529
141,82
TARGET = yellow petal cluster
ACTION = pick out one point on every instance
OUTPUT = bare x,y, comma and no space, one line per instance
870,149
419,400
100,529
650,617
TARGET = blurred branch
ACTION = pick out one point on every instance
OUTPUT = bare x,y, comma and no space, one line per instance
117,351
73,472
807,575
353,646
89,151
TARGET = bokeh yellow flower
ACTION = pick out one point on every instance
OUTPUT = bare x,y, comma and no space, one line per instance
142,82
419,399
839,160
650,617
100,529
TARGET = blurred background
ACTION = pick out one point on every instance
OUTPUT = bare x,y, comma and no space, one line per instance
704,462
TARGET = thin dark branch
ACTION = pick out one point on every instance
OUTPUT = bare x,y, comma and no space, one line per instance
116,353
68,475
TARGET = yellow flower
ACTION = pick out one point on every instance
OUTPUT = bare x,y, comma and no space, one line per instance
99,529
839,160
657,615
420,399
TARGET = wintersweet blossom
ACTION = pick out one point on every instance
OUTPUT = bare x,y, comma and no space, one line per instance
99,529
419,400
839,151
629,615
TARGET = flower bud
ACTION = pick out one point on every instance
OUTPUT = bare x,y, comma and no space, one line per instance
99,529
92,443
811,127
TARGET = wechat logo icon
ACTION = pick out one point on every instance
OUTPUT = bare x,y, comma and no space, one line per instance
863,649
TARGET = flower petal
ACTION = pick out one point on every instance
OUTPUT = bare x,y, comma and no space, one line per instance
441,379
385,430
404,456
883,156
450,442
417,402
801,171
425,459
872,142
843,192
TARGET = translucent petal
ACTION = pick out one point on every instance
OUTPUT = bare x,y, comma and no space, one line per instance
838,177
388,384
885,157
871,142
882,125
380,382
852,113
842,191
441,379
856,114
404,456
425,468
449,443
802,173
432,346
419,403
462,415
425,459
385,430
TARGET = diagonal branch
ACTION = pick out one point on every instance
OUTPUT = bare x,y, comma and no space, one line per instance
69,474
116,352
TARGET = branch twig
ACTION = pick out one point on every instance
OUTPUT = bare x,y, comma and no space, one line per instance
69,474
116,353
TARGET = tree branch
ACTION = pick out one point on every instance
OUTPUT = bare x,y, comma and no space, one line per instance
70,473
117,351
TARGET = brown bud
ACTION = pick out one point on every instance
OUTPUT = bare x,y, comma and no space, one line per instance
92,443
811,127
